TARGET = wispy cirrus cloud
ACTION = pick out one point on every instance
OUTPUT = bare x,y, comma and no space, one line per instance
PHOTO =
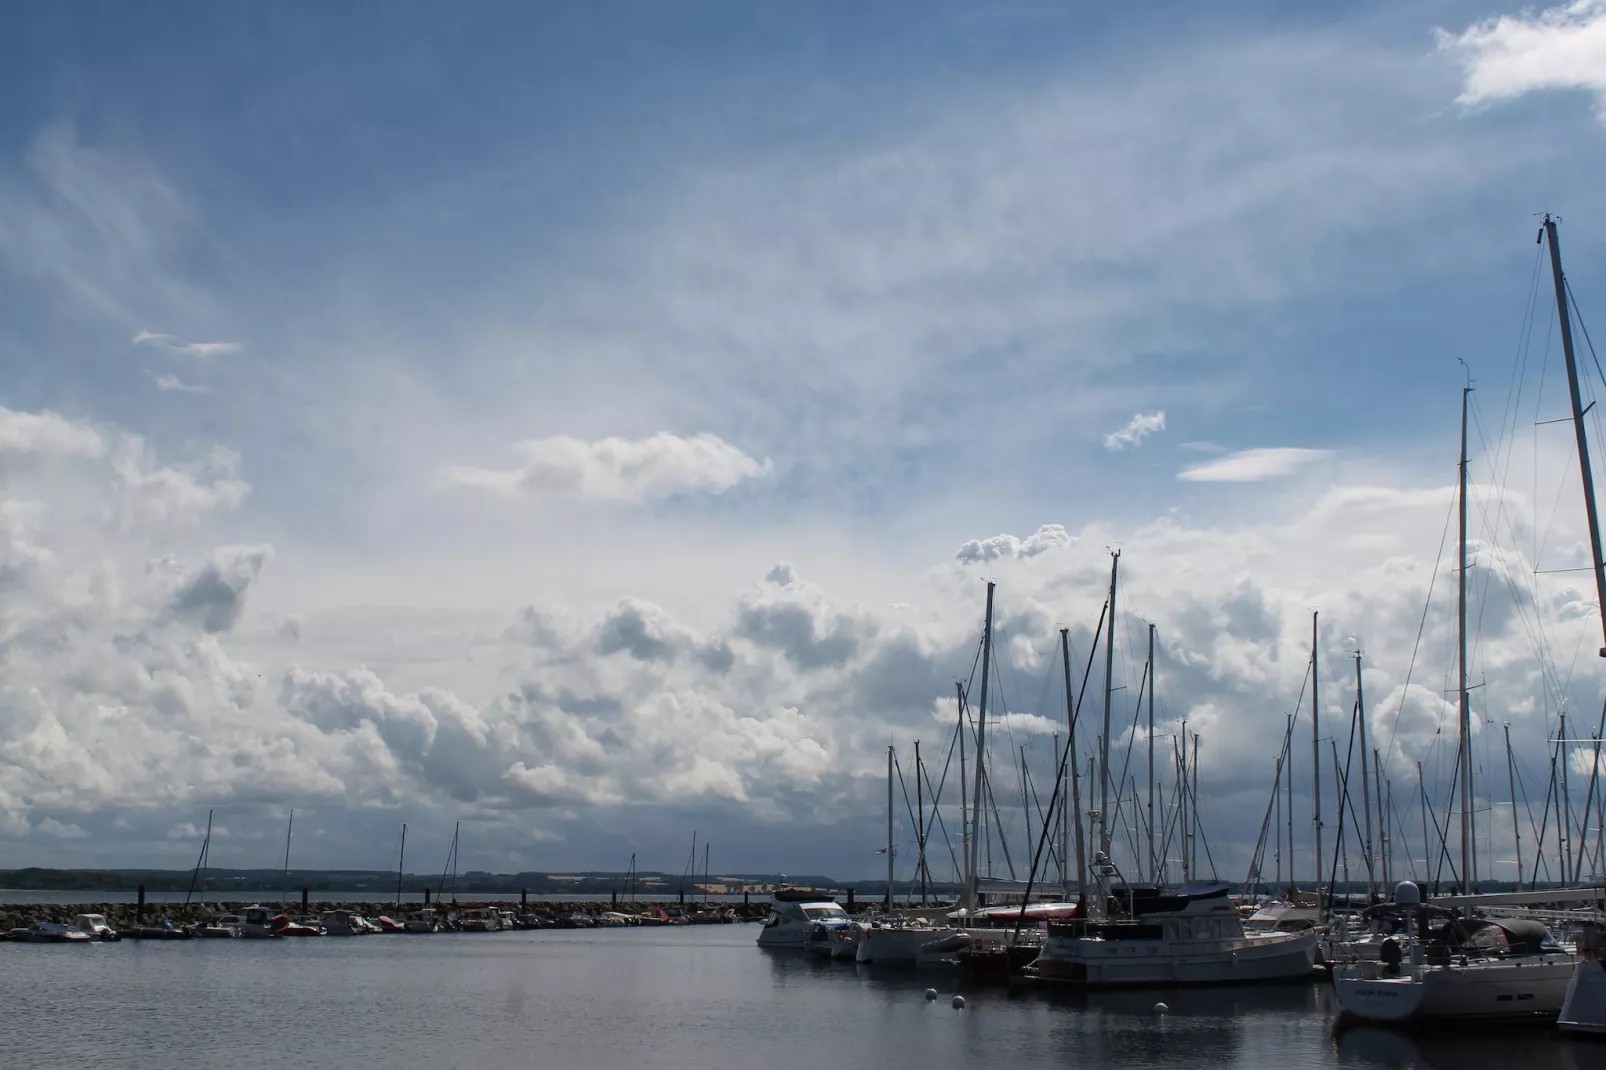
173,383
1250,466
615,469
1140,427
1507,56
178,347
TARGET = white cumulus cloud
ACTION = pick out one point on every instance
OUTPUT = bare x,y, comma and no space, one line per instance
1044,539
1507,56
1140,427
47,434
1249,466
615,469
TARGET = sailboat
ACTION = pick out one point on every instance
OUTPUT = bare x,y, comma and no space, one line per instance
1445,964
1145,936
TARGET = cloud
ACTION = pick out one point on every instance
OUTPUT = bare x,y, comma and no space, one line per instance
51,827
199,350
176,494
47,434
213,597
1140,427
1507,56
1046,538
174,383
1248,466
616,469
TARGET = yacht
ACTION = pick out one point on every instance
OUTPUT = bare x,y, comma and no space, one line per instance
794,912
49,932
95,925
916,942
1443,965
1192,936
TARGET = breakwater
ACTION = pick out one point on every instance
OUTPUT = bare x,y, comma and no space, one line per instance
126,916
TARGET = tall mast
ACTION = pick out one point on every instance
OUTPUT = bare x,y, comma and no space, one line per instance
1366,783
920,822
1316,756
1584,470
200,862
1422,789
1103,858
889,828
1566,804
401,863
1182,804
1469,862
1382,819
1288,748
1154,868
1516,829
1193,811
964,818
1070,744
981,751
291,827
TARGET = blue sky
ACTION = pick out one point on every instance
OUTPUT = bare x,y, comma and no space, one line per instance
908,265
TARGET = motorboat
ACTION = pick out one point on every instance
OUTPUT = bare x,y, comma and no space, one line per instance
164,931
1194,935
1444,965
49,932
301,927
386,924
262,923
422,921
794,912
95,925
915,942
612,919
344,923
480,921
224,928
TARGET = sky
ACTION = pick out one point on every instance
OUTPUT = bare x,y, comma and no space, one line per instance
596,423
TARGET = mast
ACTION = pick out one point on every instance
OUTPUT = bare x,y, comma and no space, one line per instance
964,819
707,874
981,751
1382,820
920,822
1366,783
200,862
1516,829
889,828
1288,775
401,864
1469,861
1154,868
1070,744
1193,811
288,830
1422,789
1182,804
1316,758
1103,857
1584,471
1566,804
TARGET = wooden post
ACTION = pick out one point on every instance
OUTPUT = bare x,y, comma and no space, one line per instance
850,901
524,897
304,898
616,898
426,897
745,900
140,909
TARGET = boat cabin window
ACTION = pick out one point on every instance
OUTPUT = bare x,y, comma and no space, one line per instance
821,913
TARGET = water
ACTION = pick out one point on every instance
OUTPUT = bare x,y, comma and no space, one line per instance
668,998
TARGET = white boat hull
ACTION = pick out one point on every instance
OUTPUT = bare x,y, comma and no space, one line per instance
1481,990
1583,1009
1113,963
902,947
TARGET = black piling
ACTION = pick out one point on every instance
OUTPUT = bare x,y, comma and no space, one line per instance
426,897
139,911
616,898
524,897
744,897
305,897
850,901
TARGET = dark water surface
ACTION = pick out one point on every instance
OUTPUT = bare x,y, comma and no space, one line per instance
694,997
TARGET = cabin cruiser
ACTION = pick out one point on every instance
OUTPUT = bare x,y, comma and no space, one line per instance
422,921
224,928
480,921
345,923
1443,965
95,925
164,931
794,913
49,932
261,923
1192,936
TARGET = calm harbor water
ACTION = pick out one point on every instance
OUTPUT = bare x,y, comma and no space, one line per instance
668,998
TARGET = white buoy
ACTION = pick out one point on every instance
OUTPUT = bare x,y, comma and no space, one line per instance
959,1002
1161,1008
931,993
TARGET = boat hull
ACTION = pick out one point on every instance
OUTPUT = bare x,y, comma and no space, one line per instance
1478,992
1583,1009
1134,963
904,947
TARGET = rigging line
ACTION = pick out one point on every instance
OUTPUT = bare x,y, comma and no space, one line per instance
946,839
1421,627
1579,315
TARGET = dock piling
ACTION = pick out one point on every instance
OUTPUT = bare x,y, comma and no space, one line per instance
305,897
140,910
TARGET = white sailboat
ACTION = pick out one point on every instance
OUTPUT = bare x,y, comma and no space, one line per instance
1466,968
1193,936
